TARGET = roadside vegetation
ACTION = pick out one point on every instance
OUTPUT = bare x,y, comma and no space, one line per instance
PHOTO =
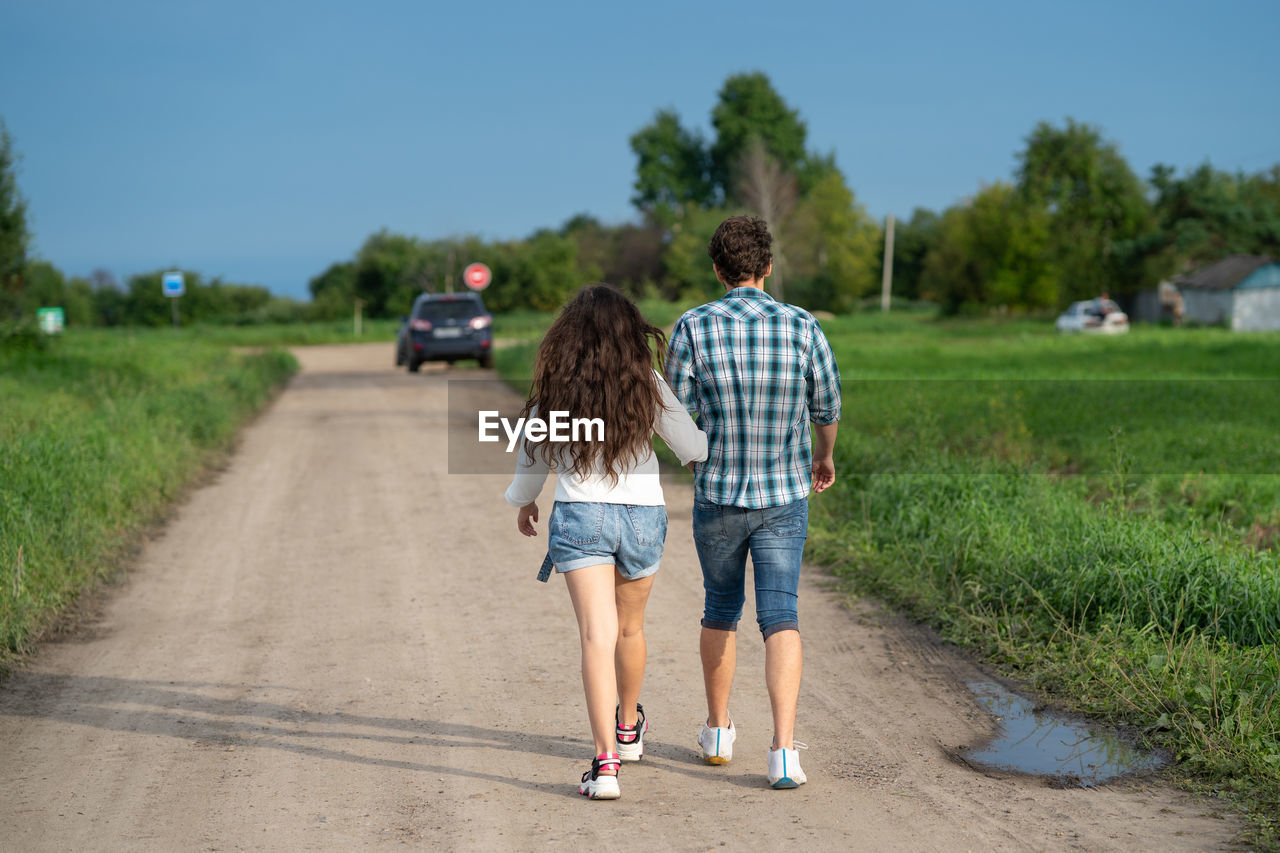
296,334
1097,517
100,431
1100,518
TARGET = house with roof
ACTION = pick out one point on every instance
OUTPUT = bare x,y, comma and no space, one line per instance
1241,292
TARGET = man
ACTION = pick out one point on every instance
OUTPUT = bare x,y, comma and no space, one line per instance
756,372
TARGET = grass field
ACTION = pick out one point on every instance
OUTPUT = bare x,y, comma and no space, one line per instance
1097,516
297,334
99,432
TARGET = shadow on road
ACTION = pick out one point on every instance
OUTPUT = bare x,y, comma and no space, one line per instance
175,709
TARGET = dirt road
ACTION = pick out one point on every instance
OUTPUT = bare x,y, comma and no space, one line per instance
337,645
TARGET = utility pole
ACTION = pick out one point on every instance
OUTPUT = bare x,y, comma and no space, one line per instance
886,285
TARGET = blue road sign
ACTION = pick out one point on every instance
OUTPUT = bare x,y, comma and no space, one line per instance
173,285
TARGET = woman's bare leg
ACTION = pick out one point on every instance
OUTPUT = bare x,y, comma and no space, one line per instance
631,597
592,591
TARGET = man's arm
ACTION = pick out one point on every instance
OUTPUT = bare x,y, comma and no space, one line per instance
679,364
824,445
824,409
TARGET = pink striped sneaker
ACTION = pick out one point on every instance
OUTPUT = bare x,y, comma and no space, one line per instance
600,786
631,738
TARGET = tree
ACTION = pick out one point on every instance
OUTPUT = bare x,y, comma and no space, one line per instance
627,256
108,299
1094,201
834,248
688,267
594,245
333,292
749,107
146,305
80,304
992,250
770,192
672,168
539,273
390,271
43,285
1206,215
13,227
913,239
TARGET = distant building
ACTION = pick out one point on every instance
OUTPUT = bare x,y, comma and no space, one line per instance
1241,292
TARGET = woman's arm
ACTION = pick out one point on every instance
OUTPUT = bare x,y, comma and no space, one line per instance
529,478
678,429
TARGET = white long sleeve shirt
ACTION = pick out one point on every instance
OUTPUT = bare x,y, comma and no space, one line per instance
637,485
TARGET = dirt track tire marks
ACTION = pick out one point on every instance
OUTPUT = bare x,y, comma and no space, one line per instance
337,643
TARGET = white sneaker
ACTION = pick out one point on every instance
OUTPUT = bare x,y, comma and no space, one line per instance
784,768
601,786
717,743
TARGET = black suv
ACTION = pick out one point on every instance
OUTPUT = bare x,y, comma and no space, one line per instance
445,327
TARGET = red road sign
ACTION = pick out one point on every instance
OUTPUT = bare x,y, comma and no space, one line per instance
477,276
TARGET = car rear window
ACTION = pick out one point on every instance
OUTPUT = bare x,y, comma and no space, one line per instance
459,309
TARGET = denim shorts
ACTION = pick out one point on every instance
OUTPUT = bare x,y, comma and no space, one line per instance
775,539
625,536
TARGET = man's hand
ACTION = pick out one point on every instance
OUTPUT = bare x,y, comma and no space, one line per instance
525,517
824,446
824,474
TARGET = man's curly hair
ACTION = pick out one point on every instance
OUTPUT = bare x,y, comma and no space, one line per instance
740,249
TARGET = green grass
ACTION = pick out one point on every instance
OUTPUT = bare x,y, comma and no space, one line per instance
1097,516
99,432
295,334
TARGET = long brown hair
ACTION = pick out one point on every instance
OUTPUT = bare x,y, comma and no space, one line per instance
597,361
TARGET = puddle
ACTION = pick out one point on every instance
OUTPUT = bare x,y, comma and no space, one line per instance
1041,743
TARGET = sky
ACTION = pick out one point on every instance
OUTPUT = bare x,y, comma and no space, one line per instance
263,141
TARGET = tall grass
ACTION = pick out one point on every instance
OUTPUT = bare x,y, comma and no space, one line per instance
1092,514
296,334
98,433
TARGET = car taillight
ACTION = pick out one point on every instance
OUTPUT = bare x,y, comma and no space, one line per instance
481,322
420,325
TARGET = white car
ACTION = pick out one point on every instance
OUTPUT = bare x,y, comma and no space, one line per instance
1096,316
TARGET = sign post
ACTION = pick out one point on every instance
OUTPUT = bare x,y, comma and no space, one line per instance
174,287
51,320
477,276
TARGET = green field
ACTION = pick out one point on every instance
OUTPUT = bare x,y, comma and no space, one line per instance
1098,516
99,432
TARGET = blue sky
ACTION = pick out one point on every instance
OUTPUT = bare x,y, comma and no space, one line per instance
262,141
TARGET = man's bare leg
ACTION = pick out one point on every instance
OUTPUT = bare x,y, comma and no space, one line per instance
719,660
783,662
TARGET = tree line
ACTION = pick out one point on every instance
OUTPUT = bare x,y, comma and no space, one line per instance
1072,221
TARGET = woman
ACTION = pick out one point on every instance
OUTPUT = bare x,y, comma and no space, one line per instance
609,522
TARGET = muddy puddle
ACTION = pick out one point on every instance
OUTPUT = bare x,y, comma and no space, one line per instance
1040,742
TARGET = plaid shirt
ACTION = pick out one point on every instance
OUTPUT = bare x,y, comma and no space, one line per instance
756,372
